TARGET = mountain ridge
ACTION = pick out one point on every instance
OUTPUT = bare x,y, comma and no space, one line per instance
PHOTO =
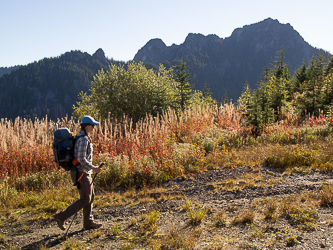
226,64
51,85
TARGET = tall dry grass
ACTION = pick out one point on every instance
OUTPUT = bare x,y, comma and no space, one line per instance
26,145
157,148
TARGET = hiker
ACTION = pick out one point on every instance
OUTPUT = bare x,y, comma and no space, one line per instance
81,176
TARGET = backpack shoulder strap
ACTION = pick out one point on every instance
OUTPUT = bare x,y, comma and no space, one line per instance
86,136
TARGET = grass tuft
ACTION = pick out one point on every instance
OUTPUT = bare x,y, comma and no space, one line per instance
270,210
149,224
220,219
196,214
291,241
116,229
245,217
326,196
176,239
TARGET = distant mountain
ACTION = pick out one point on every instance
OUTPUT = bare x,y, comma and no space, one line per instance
227,64
49,86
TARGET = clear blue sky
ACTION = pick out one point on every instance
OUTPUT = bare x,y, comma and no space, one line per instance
34,29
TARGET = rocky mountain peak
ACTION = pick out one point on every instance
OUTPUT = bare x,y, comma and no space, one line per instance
99,55
270,35
152,51
200,40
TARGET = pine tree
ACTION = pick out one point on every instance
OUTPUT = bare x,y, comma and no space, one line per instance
329,67
300,76
266,74
244,101
206,93
316,68
185,89
280,65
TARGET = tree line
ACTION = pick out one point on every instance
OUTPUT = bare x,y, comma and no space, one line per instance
48,87
133,91
309,90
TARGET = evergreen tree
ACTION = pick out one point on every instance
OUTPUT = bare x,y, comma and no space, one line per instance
244,101
329,67
263,106
207,95
183,86
266,74
280,67
300,76
316,68
310,90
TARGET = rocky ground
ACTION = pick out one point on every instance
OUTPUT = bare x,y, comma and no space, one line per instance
235,192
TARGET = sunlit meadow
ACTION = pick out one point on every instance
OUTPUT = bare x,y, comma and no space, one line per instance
157,149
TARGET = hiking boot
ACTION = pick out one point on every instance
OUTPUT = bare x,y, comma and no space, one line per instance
93,225
61,223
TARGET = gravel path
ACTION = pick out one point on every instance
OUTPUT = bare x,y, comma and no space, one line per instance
223,189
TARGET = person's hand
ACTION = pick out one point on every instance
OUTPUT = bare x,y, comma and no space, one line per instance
97,170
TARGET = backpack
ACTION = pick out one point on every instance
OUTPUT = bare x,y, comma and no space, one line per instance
63,148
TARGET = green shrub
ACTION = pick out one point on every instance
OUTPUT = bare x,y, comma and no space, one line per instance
42,180
283,157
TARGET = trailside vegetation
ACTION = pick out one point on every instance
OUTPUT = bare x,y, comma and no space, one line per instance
309,91
268,127
153,142
135,91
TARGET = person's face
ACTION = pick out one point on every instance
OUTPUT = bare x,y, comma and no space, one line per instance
90,128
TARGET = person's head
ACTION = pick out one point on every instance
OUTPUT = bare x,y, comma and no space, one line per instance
88,123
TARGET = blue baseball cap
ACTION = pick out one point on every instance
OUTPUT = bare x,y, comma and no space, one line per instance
88,120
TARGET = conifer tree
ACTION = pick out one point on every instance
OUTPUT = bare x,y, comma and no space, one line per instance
280,65
329,67
245,100
266,74
185,89
207,95
316,67
300,76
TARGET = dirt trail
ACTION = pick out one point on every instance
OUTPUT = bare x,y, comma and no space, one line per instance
231,190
